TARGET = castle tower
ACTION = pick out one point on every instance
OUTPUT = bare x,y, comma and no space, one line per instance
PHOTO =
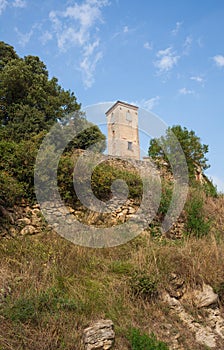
122,126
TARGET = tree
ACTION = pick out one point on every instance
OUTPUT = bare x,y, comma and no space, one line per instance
7,53
30,103
166,148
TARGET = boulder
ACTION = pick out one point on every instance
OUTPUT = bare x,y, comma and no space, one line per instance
99,336
206,297
28,230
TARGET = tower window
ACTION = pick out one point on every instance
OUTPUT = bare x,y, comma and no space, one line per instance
129,146
128,116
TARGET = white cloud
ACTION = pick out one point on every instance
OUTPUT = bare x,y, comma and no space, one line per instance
219,60
3,5
200,42
187,45
147,104
147,46
177,28
166,60
88,66
15,3
185,91
198,79
76,26
45,37
150,103
24,38
125,29
19,3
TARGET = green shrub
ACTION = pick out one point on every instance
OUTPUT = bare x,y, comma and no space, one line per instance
166,196
104,175
30,308
210,189
144,285
144,342
196,223
11,191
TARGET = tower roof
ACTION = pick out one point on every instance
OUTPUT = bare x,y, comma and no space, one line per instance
124,104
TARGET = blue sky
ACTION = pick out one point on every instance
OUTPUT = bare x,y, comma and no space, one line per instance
164,56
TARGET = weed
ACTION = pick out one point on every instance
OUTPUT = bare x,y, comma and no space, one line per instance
30,308
121,267
144,342
144,285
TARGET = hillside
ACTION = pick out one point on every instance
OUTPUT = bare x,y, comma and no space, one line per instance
51,289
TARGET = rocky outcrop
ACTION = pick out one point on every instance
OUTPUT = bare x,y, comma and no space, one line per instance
205,297
210,331
99,336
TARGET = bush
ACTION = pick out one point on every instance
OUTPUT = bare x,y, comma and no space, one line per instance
166,196
103,176
11,191
196,223
144,285
30,308
144,342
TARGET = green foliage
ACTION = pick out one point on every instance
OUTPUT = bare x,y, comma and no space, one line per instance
17,163
166,196
7,53
196,223
104,175
30,308
210,189
65,180
144,285
121,267
30,104
166,147
102,179
90,138
143,341
11,191
30,101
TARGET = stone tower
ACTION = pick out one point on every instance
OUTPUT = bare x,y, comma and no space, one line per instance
122,125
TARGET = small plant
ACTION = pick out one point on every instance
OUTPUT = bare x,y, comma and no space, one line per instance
166,196
144,342
30,308
121,267
144,285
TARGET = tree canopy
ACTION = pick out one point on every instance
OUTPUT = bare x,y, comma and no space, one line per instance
165,147
30,103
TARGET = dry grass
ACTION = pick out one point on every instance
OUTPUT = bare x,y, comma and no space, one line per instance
50,289
57,288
